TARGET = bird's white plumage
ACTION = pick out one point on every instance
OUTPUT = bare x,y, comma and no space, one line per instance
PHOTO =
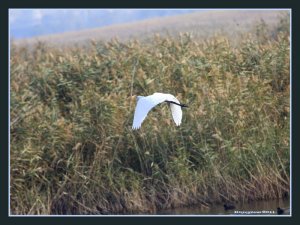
176,112
145,104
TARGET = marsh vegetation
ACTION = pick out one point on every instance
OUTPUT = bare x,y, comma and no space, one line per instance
72,149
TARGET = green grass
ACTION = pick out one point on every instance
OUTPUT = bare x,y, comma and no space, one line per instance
73,150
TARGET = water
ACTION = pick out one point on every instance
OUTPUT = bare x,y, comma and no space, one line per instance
252,208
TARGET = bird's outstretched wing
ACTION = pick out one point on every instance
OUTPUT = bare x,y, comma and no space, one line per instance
175,110
144,105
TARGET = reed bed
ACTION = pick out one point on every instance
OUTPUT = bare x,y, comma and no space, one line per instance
72,149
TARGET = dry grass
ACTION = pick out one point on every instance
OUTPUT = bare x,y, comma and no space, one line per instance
73,150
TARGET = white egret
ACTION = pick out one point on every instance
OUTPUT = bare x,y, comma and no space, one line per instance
146,103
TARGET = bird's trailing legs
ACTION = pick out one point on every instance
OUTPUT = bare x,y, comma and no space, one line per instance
182,105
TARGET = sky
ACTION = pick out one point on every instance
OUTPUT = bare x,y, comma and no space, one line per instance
26,23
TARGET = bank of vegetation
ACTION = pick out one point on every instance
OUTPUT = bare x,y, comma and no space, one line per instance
72,150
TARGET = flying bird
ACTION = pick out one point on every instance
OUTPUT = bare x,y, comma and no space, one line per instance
146,103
